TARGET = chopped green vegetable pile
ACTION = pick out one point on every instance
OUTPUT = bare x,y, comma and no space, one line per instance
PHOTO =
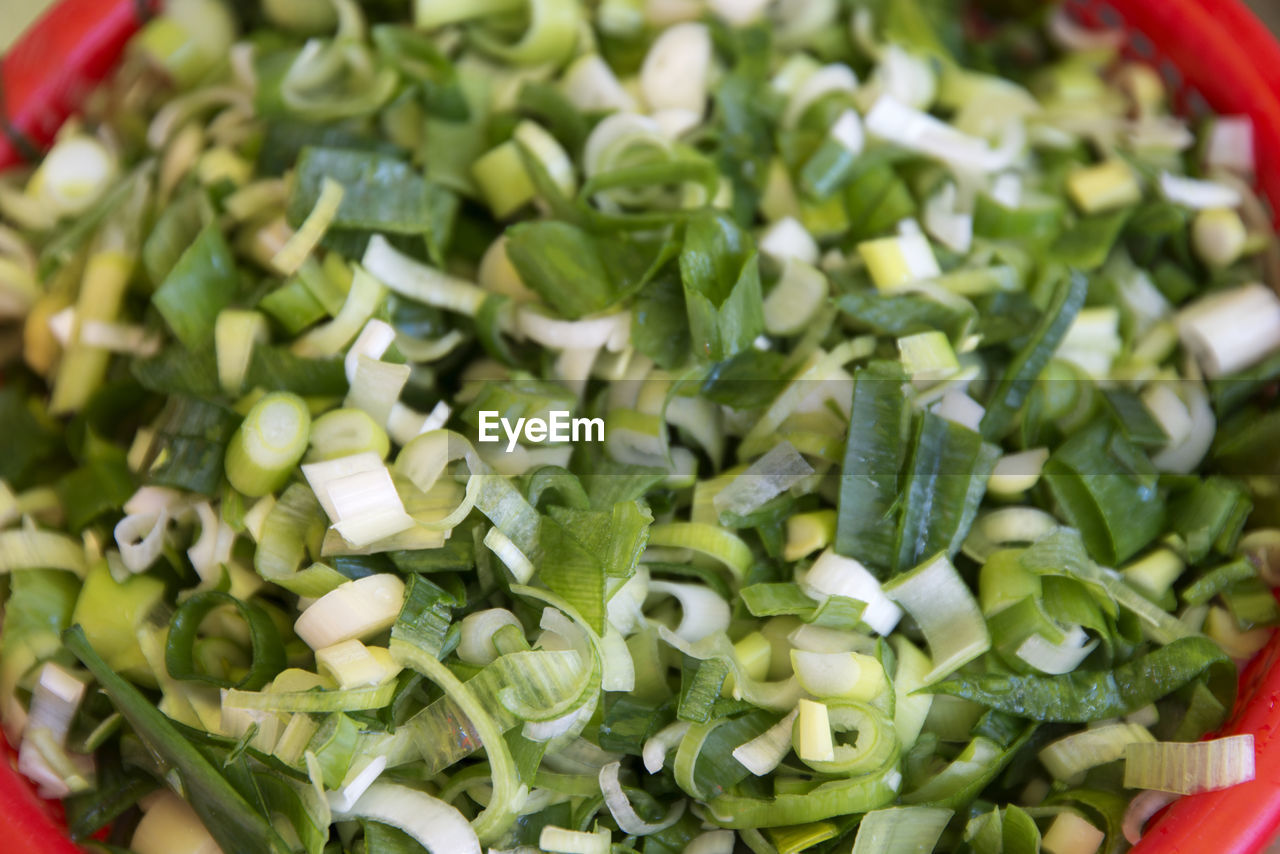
638,425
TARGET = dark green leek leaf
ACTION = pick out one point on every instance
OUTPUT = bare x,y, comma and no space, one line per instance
229,818
562,264
278,369
202,283
943,484
1015,384
906,314
1091,695
266,648
867,527
721,287
1107,489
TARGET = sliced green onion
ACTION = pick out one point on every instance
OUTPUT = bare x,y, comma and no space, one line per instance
268,444
345,433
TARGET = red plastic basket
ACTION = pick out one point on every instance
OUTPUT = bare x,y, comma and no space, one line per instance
1214,54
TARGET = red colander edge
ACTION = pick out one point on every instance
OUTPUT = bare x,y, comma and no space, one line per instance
1214,51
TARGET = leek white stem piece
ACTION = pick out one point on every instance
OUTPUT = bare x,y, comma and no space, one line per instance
1169,411
808,532
1230,145
1143,806
915,130
762,754
839,675
54,701
1056,658
897,830
1231,330
362,301
170,826
1014,474
591,86
897,261
363,774
417,281
1071,834
1070,35
944,608
738,13
75,174
674,73
1186,455
1219,237
212,549
355,610
945,223
288,260
703,612
374,340
623,813
367,506
812,735
140,538
236,333
1104,187
509,553
376,387
766,478
611,330
928,357
351,664
478,628
436,826
1076,753
960,408
559,840
836,77
834,575
1188,767
787,240
655,750
712,842
1197,194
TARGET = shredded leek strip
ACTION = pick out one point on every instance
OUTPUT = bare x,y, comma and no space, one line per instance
508,792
